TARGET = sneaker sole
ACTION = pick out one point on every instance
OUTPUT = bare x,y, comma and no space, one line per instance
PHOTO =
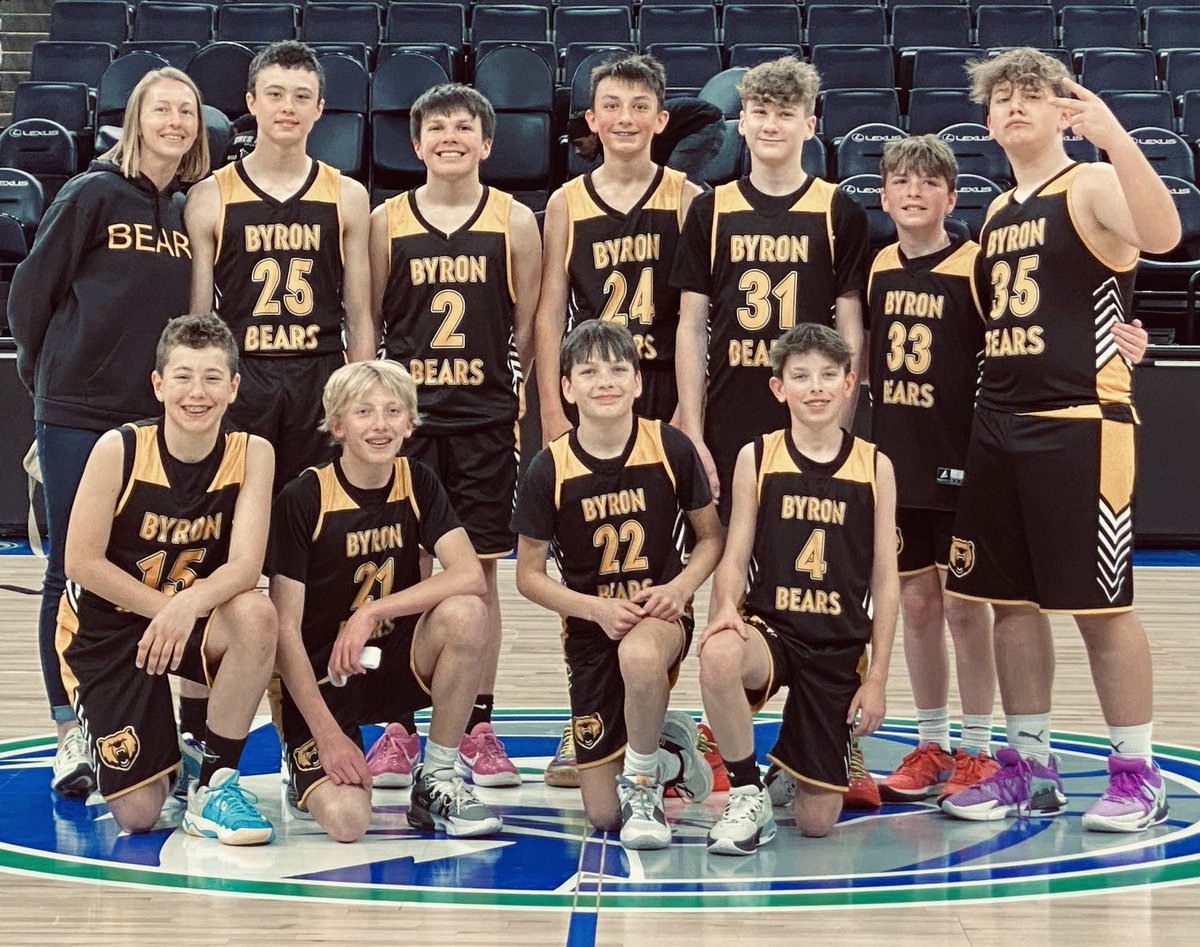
490,780
680,730
994,813
645,842
728,846
429,822
1133,823
562,777
894,794
206,828
391,780
75,784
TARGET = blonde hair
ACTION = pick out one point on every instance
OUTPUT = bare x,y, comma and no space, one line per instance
1023,67
353,382
127,153
926,155
786,81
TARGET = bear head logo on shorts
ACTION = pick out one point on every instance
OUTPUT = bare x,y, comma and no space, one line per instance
306,757
899,541
119,750
589,730
962,556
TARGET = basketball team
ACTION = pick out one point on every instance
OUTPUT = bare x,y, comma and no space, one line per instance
699,358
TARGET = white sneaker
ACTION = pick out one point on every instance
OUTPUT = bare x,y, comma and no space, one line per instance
746,823
643,819
780,786
74,774
679,737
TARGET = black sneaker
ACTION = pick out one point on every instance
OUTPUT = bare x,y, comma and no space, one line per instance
450,805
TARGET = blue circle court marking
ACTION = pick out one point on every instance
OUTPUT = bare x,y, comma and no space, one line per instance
546,857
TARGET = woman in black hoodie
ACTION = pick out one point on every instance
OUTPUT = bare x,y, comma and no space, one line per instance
109,266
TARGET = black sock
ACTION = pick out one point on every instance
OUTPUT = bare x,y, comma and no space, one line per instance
744,772
408,721
220,753
481,711
193,712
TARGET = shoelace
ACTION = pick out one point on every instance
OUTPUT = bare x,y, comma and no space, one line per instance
924,759
641,799
1129,787
858,766
233,799
74,744
567,746
742,807
970,770
489,745
456,791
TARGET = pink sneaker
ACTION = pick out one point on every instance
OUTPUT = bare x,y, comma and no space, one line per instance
392,758
482,760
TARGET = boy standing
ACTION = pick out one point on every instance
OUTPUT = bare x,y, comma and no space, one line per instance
165,547
610,498
281,241
345,572
455,273
813,527
611,236
1045,519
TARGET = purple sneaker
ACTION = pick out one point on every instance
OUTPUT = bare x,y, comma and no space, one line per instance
1020,787
1136,798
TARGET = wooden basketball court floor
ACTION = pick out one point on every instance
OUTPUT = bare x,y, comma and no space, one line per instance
36,909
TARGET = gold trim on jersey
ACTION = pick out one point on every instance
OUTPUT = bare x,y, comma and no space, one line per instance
669,194
1079,412
1116,464
1114,382
566,465
581,206
816,199
67,627
402,488
147,463
1063,184
858,467
232,471
335,499
648,448
807,780
885,261
494,219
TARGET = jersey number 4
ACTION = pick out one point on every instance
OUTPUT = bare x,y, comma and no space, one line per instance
641,306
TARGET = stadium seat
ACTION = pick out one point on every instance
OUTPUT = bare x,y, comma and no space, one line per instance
975,196
1118,69
256,24
1079,148
400,79
545,49
395,85
1180,70
339,139
347,84
749,55
976,152
688,67
577,53
21,197
866,189
766,25
521,89
70,62
425,23
1189,115
220,70
860,149
160,21
999,24
43,148
937,68
581,78
854,67
727,164
341,23
1186,196
117,83
67,103
1168,153
449,58
1058,5
1171,26
1140,109
90,21
814,158
840,110
1084,27
509,22
178,52
921,25
681,24
13,248
931,110
721,91
838,25
606,24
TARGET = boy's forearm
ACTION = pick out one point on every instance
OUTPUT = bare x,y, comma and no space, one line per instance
542,590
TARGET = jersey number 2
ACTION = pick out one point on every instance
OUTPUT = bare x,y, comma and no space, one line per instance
299,296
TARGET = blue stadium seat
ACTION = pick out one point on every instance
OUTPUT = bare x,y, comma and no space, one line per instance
1168,153
339,139
975,196
1118,69
841,110
766,25
521,88
937,68
21,197
1189,115
178,52
721,91
1141,109
688,66
931,110
449,58
866,189
117,83
578,53
67,103
43,148
1079,148
256,24
159,21
70,62
395,85
1180,70
425,22
854,67
976,152
341,23
220,70
749,55
545,49
1086,26
677,24
999,24
835,25
605,24
729,162
347,84
13,249
509,22
859,151
921,25
814,158
90,21
1172,26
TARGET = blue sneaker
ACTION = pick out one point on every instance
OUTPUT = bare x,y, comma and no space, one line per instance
225,811
191,753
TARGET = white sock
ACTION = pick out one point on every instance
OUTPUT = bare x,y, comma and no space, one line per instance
1029,735
440,758
641,764
977,733
1132,742
933,726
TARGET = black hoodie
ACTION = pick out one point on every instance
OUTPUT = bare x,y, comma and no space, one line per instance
109,266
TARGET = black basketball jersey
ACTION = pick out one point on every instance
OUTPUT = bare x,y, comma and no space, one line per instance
278,266
766,263
615,526
448,312
350,546
814,541
926,346
173,520
1053,301
619,265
